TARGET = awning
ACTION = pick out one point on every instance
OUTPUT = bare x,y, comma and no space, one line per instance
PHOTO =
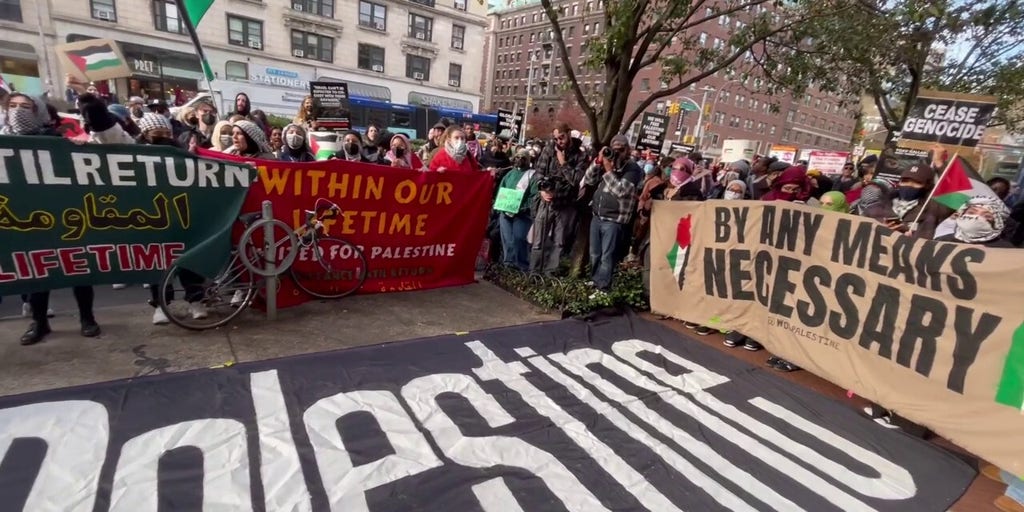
13,50
362,91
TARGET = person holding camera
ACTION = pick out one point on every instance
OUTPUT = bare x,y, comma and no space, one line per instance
616,178
560,167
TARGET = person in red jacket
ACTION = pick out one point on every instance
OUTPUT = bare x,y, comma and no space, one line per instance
454,153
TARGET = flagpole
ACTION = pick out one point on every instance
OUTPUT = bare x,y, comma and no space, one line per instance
931,194
203,63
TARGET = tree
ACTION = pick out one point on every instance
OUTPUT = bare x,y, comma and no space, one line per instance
665,33
890,51
542,123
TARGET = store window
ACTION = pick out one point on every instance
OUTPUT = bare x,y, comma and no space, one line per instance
371,58
458,36
373,15
234,70
166,17
101,9
421,27
319,7
417,68
245,32
307,45
455,75
10,10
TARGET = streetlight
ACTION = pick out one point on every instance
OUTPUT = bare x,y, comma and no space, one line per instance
700,116
529,98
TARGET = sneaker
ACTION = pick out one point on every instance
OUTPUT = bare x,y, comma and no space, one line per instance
119,286
146,286
198,310
690,325
159,317
752,345
50,313
733,339
237,298
26,310
886,421
703,330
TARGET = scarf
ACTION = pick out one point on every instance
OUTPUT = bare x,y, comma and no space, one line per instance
901,207
975,229
22,121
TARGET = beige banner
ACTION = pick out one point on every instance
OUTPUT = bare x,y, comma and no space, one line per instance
924,328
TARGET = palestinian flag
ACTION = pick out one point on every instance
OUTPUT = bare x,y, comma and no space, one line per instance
196,9
680,250
955,187
1011,384
94,58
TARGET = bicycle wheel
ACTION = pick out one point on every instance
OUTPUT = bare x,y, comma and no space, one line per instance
329,268
253,245
215,301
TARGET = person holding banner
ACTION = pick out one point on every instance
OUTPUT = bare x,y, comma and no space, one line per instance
516,194
351,148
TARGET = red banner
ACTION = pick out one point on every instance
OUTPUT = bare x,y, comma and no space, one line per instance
417,230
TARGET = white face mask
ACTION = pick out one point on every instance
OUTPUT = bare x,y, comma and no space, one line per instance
973,228
457,148
294,140
730,195
225,141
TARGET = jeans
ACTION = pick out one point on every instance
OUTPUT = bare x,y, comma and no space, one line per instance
513,240
604,243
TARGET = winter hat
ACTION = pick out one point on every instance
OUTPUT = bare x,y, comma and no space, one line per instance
151,121
740,166
399,136
778,166
95,114
621,139
255,133
120,111
738,183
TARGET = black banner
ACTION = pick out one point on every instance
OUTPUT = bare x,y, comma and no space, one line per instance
652,132
619,414
333,100
947,120
510,124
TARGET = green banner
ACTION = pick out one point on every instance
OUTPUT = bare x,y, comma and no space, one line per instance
509,200
98,214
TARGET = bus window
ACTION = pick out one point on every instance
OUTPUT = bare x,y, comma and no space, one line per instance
401,119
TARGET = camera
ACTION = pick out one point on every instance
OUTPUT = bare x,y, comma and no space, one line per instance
546,184
606,152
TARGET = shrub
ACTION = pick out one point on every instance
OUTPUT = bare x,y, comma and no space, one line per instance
571,295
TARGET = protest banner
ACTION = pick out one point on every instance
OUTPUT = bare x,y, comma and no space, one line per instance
892,163
332,97
652,132
99,214
951,119
922,327
417,230
828,162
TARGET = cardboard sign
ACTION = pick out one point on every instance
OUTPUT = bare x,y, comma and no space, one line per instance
891,164
509,125
948,118
828,162
652,132
333,100
509,200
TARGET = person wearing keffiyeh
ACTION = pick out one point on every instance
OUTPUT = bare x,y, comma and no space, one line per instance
249,140
401,154
980,221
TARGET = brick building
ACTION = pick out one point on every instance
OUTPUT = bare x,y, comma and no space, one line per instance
735,110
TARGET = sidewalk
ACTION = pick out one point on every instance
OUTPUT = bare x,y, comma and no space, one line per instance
131,346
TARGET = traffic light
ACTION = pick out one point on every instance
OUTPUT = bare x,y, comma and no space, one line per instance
688,139
673,108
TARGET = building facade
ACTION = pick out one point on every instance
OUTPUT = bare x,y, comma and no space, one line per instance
414,52
27,36
734,109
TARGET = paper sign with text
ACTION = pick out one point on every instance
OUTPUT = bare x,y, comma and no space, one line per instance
509,200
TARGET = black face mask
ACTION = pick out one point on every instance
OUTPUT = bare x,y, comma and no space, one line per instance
352,149
162,141
399,152
910,193
209,119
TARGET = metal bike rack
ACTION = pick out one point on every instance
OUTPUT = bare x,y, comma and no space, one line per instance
270,259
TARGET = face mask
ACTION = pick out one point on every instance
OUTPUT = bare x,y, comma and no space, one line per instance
162,141
457,148
23,120
209,119
732,196
910,193
787,196
294,140
649,169
225,140
974,228
399,152
137,112
352,148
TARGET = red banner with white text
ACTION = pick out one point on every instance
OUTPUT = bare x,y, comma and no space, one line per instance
417,230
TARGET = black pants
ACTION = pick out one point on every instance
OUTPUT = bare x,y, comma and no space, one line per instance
190,281
553,230
84,295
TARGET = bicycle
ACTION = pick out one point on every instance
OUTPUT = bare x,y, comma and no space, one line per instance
321,266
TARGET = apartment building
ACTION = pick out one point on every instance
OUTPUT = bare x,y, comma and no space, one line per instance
27,35
734,107
414,52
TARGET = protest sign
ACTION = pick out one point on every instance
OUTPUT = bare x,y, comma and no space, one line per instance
93,59
509,125
892,163
922,327
682,148
828,162
946,118
417,230
509,200
652,132
98,214
783,153
332,97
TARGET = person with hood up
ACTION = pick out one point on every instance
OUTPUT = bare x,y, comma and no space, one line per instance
981,220
682,183
351,148
834,201
242,106
401,154
191,137
296,145
454,154
220,140
101,124
515,226
913,213
792,185
248,140
727,177
28,116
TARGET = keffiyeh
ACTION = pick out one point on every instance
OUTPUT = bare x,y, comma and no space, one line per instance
151,121
256,134
976,228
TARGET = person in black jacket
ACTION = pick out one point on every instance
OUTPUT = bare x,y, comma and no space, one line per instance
296,145
560,167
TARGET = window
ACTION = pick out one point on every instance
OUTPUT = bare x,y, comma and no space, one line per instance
645,84
373,15
817,102
421,27
430,3
371,58
590,7
714,139
790,115
234,70
703,39
803,118
533,38
771,131
318,7
708,12
458,36
785,135
454,74
307,45
101,10
586,29
575,9
597,28
572,31
460,5
245,32
417,68
166,18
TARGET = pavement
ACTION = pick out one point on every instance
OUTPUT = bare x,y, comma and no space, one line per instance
131,346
